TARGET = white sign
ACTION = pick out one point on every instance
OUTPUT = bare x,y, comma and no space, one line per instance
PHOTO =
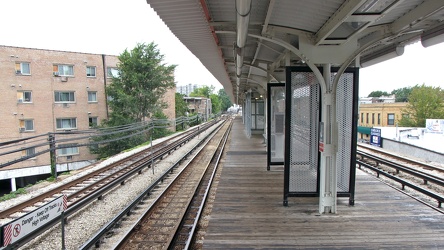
26,224
435,126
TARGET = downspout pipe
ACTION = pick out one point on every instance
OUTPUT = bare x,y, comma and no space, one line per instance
243,9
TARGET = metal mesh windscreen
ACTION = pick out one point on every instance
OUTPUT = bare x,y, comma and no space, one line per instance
248,114
304,119
277,125
302,127
344,116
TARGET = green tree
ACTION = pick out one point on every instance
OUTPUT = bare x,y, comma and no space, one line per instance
224,100
143,80
134,96
204,91
425,102
378,93
402,94
181,109
215,103
181,105
161,127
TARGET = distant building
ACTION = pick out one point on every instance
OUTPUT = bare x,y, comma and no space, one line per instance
187,89
382,99
199,105
378,114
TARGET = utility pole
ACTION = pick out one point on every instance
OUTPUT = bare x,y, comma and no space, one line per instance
52,155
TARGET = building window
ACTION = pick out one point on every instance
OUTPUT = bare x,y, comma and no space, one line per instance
26,125
30,152
368,121
63,70
64,96
66,123
22,68
24,96
92,96
92,122
390,119
67,149
90,71
112,72
362,118
379,119
373,118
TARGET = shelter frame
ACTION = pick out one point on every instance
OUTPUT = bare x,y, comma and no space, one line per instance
303,155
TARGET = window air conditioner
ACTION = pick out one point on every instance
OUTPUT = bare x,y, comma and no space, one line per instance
64,79
18,72
20,100
69,157
22,130
56,73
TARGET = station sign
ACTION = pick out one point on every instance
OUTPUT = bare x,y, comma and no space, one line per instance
19,228
375,137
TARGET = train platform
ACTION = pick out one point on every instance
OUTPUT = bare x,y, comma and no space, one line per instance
248,211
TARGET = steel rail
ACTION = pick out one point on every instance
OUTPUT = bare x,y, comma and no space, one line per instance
401,158
426,177
439,198
165,232
40,198
192,228
95,240
100,191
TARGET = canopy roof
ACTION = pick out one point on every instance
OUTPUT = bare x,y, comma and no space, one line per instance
247,43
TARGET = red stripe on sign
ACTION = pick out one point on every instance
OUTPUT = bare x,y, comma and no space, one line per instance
65,202
7,235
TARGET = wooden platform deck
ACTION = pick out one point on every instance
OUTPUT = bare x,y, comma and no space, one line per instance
248,212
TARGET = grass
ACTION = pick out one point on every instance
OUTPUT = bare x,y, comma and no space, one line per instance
14,194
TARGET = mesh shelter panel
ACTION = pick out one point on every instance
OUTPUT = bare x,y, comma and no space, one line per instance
302,124
304,118
277,116
344,116
248,115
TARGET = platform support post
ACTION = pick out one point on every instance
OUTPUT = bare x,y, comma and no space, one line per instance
328,176
13,184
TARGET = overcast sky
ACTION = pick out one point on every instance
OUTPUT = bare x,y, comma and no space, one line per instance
111,26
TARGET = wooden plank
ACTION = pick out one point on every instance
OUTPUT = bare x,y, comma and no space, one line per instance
248,211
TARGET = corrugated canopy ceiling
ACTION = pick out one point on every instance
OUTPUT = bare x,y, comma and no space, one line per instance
247,43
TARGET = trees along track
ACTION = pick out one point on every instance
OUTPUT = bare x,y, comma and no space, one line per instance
421,177
171,218
89,187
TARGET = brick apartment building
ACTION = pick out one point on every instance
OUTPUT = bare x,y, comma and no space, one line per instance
49,91
199,105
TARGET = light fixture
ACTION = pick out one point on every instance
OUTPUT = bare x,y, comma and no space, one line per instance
381,55
433,36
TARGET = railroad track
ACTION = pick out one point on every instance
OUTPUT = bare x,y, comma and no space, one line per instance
93,186
419,177
170,222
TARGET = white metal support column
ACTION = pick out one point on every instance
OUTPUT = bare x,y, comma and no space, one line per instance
328,176
13,184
